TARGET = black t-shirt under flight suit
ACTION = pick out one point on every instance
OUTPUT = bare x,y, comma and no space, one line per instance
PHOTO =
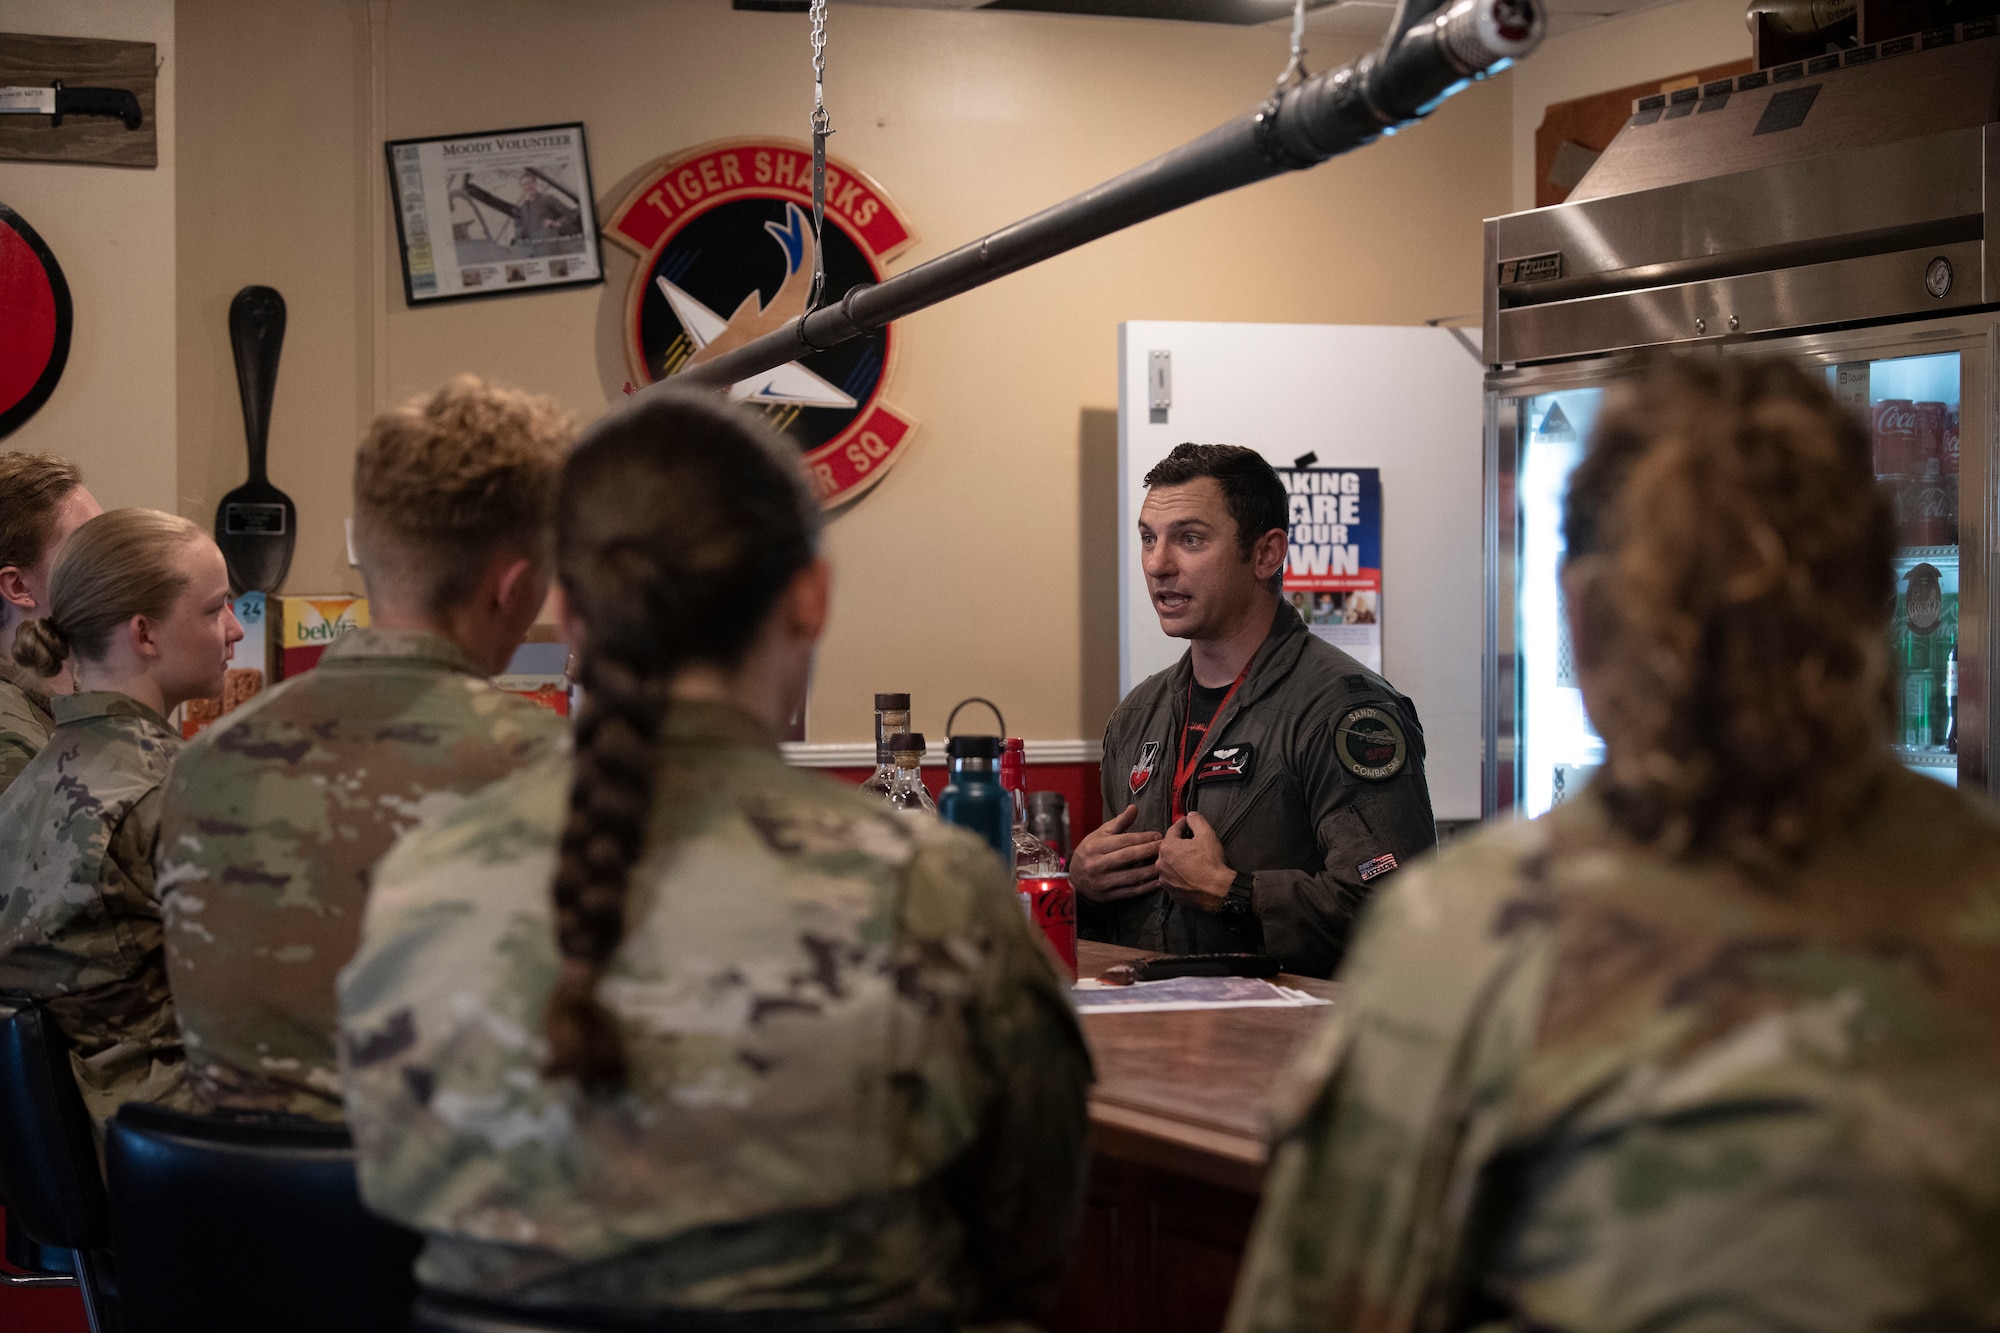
1313,777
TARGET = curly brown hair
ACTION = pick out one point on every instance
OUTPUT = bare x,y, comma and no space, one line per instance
447,478
1729,579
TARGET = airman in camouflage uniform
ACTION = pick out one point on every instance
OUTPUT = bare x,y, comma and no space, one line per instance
854,1077
79,920
1573,1085
274,819
25,720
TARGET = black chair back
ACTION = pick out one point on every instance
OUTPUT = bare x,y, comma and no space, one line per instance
48,1152
49,1174
439,1312
248,1224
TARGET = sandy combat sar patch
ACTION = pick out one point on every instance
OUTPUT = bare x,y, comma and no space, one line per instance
1371,744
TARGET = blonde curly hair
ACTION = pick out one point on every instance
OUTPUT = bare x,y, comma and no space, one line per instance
1730,586
447,478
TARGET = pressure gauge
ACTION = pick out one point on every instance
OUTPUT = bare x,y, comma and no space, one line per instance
1937,278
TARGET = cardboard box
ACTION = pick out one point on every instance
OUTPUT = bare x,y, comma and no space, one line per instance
308,625
249,667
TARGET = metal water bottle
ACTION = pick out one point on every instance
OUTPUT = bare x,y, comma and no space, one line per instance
973,797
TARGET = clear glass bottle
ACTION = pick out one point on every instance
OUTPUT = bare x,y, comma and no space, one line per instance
1032,856
1951,699
907,794
892,717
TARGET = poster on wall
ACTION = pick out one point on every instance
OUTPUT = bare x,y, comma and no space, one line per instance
1333,574
495,213
726,251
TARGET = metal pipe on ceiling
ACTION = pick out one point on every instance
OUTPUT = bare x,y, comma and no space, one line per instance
1426,58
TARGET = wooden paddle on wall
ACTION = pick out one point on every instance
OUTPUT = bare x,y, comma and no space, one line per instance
256,524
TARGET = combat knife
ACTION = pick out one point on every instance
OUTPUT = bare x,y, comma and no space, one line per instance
56,101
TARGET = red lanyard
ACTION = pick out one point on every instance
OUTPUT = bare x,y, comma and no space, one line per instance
1184,763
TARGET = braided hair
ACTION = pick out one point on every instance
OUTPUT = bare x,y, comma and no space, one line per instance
1733,611
680,521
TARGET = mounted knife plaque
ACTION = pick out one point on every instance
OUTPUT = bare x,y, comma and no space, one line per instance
84,63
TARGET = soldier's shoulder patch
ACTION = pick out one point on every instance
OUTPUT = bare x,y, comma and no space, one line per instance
1370,743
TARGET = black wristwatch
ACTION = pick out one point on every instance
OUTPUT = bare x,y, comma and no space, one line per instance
1238,903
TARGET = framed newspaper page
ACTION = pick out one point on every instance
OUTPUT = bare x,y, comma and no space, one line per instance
494,213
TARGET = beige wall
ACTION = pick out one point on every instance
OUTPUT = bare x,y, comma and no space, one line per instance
112,230
1654,44
965,572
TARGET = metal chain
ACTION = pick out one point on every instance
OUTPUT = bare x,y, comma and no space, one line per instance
1295,72
822,126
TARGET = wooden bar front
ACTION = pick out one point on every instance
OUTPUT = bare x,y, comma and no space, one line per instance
1177,1131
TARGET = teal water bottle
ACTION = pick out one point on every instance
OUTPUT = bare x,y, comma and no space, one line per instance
973,797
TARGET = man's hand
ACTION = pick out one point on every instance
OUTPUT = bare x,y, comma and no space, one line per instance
1112,862
1191,864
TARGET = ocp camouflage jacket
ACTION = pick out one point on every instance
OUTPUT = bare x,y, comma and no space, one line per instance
1573,1085
271,826
25,719
79,922
855,1079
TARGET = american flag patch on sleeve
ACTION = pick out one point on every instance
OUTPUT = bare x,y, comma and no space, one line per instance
1377,868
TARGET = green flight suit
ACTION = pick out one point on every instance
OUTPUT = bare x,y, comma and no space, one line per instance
79,919
274,819
1571,1085
26,721
1313,777
855,1079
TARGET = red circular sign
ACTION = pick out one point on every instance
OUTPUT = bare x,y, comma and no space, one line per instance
726,252
35,311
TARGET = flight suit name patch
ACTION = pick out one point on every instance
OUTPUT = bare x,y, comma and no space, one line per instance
1227,765
1370,743
1142,772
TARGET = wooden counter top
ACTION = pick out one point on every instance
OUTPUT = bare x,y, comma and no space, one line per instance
1185,1092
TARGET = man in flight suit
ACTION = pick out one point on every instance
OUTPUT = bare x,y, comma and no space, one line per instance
1263,784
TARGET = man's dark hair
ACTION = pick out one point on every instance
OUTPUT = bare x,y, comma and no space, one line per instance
1250,486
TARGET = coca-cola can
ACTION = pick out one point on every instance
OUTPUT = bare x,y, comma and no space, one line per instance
1051,904
1895,437
1928,443
1950,452
1929,515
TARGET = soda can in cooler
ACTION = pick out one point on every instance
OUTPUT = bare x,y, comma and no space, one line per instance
1051,905
1929,519
1895,437
1927,441
1948,456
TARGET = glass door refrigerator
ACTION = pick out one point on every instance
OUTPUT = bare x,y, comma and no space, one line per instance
1922,391
1839,215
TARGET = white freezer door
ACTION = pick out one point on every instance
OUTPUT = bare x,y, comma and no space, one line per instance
1408,401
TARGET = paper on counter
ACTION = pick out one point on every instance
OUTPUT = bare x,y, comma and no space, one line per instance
1153,997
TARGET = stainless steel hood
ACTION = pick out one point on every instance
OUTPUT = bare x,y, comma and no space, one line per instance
1850,189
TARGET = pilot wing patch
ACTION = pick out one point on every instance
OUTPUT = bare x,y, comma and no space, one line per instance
1229,765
